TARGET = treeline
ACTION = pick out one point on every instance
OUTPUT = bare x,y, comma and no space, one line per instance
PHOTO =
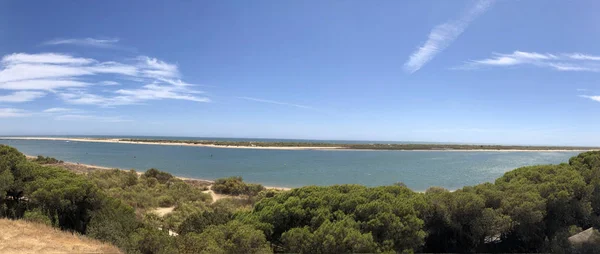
529,209
375,146
235,143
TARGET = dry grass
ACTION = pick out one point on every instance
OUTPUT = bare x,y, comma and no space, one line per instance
19,236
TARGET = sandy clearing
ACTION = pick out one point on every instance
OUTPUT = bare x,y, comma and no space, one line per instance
162,211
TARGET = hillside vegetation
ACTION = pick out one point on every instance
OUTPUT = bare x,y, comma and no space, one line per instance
529,209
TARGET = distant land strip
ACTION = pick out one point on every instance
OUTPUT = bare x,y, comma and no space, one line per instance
315,145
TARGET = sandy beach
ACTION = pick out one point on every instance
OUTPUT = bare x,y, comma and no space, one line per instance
120,141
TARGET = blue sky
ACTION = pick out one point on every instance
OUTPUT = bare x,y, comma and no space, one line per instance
510,72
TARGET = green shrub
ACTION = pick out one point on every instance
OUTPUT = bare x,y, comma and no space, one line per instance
199,221
236,186
151,240
162,177
166,201
37,216
113,223
46,160
233,237
181,212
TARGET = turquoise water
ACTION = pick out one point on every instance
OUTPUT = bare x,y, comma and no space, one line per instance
417,169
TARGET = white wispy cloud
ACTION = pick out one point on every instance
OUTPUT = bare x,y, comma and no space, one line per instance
443,35
555,61
92,42
13,112
61,114
60,73
21,96
41,84
579,56
132,96
109,83
79,117
275,102
85,98
156,92
155,68
591,97
43,58
60,110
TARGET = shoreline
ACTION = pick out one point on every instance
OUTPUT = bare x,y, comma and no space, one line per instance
297,148
119,141
91,167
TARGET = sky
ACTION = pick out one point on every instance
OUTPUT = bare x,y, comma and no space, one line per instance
505,72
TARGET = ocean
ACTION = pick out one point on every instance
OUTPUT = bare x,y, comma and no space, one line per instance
294,168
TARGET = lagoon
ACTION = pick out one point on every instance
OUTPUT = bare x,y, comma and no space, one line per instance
294,168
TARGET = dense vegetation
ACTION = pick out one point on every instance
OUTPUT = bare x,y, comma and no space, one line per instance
529,209
235,186
374,146
150,190
46,160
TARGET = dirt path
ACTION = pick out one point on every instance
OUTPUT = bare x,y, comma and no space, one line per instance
215,197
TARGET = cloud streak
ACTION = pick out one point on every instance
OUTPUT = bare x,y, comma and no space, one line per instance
79,117
60,110
89,42
443,35
13,112
22,96
276,102
556,61
591,97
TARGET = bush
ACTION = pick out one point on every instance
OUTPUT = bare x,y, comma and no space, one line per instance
162,177
233,237
181,212
151,240
236,186
198,222
37,216
113,223
46,160
166,201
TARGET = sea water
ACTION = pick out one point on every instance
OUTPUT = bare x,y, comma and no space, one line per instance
294,168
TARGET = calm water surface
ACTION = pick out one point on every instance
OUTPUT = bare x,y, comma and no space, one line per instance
417,169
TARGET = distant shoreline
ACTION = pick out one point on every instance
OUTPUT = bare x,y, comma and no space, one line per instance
125,141
320,146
